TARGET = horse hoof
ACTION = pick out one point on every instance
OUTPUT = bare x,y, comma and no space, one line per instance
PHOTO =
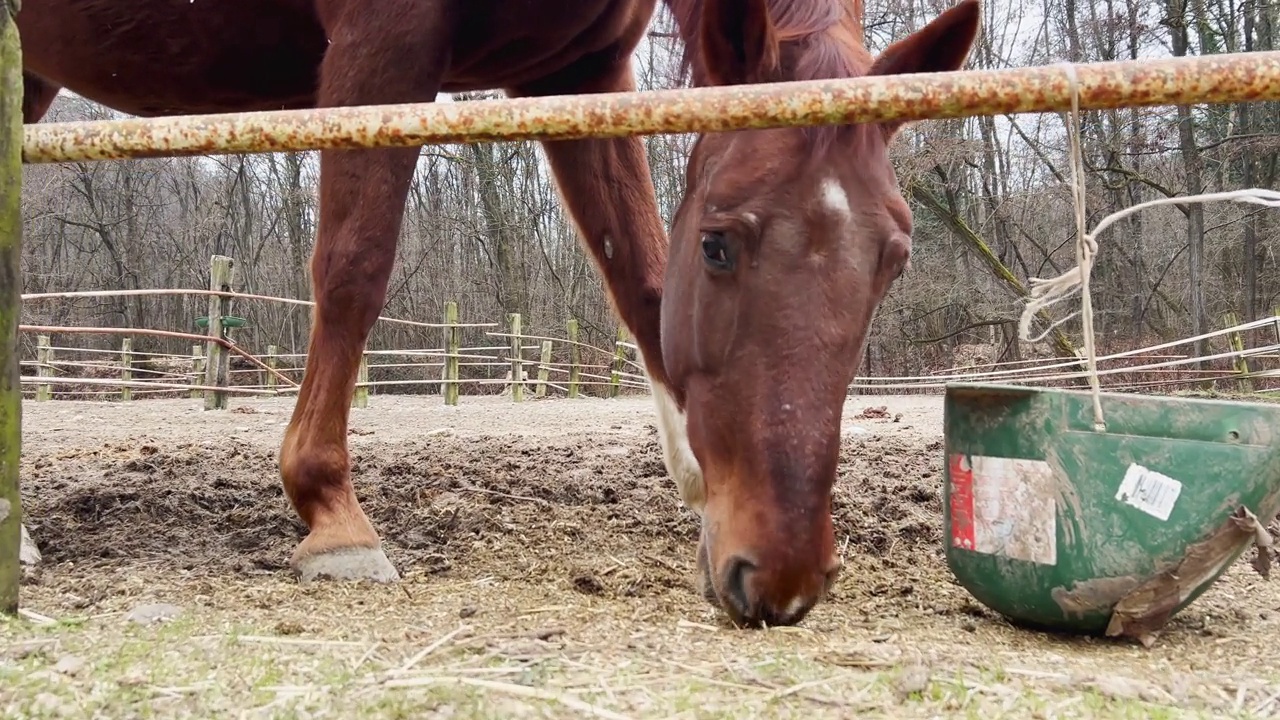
355,563
28,553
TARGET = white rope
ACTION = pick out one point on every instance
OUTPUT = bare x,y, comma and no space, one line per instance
1046,292
1086,249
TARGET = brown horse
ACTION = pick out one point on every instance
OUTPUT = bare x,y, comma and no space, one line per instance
799,232
784,245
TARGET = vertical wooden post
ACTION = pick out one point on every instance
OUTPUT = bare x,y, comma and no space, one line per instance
44,355
575,358
273,363
197,369
543,370
361,397
615,368
452,345
218,360
1236,341
126,369
10,304
517,359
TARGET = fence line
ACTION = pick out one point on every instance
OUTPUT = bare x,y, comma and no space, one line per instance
1271,322
198,379
222,342
225,294
1157,368
218,375
613,376
1033,372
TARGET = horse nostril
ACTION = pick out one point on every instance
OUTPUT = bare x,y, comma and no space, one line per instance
736,586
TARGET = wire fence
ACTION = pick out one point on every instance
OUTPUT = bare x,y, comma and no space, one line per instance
1242,357
1245,358
64,371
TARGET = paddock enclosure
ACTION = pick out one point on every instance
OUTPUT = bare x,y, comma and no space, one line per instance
548,565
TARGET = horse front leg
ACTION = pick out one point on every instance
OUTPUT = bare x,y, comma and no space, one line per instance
607,188
374,58
37,96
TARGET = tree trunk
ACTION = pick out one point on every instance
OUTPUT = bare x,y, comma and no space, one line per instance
1193,173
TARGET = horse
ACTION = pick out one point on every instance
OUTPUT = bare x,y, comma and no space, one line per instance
784,244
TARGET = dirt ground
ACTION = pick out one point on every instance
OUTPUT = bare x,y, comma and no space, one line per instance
549,571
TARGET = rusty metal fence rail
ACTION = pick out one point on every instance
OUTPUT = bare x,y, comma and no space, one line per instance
1173,81
1176,81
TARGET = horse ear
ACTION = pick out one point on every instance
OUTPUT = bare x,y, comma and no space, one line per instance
738,42
941,46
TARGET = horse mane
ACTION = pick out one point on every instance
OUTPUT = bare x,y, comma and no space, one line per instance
817,40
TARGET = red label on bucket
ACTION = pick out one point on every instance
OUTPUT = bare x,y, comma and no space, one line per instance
961,502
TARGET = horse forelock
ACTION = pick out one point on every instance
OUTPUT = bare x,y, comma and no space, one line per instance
817,40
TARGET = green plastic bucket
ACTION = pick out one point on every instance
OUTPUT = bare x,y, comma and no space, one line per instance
1061,527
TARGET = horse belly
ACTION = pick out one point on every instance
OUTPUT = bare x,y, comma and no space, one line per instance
506,43
160,57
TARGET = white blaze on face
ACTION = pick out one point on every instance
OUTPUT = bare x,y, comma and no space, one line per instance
835,200
673,434
793,607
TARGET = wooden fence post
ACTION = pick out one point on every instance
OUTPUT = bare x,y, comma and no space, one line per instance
44,355
10,305
197,369
126,369
274,364
218,360
452,344
615,368
1236,341
575,358
360,399
517,359
543,370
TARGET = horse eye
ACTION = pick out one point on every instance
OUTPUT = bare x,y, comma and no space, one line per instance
716,252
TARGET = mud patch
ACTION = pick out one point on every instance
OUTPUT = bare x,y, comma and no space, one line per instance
888,499
569,508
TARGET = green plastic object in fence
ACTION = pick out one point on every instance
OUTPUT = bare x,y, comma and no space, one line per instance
1061,527
228,321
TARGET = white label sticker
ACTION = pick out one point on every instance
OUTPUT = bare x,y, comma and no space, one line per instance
1149,491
